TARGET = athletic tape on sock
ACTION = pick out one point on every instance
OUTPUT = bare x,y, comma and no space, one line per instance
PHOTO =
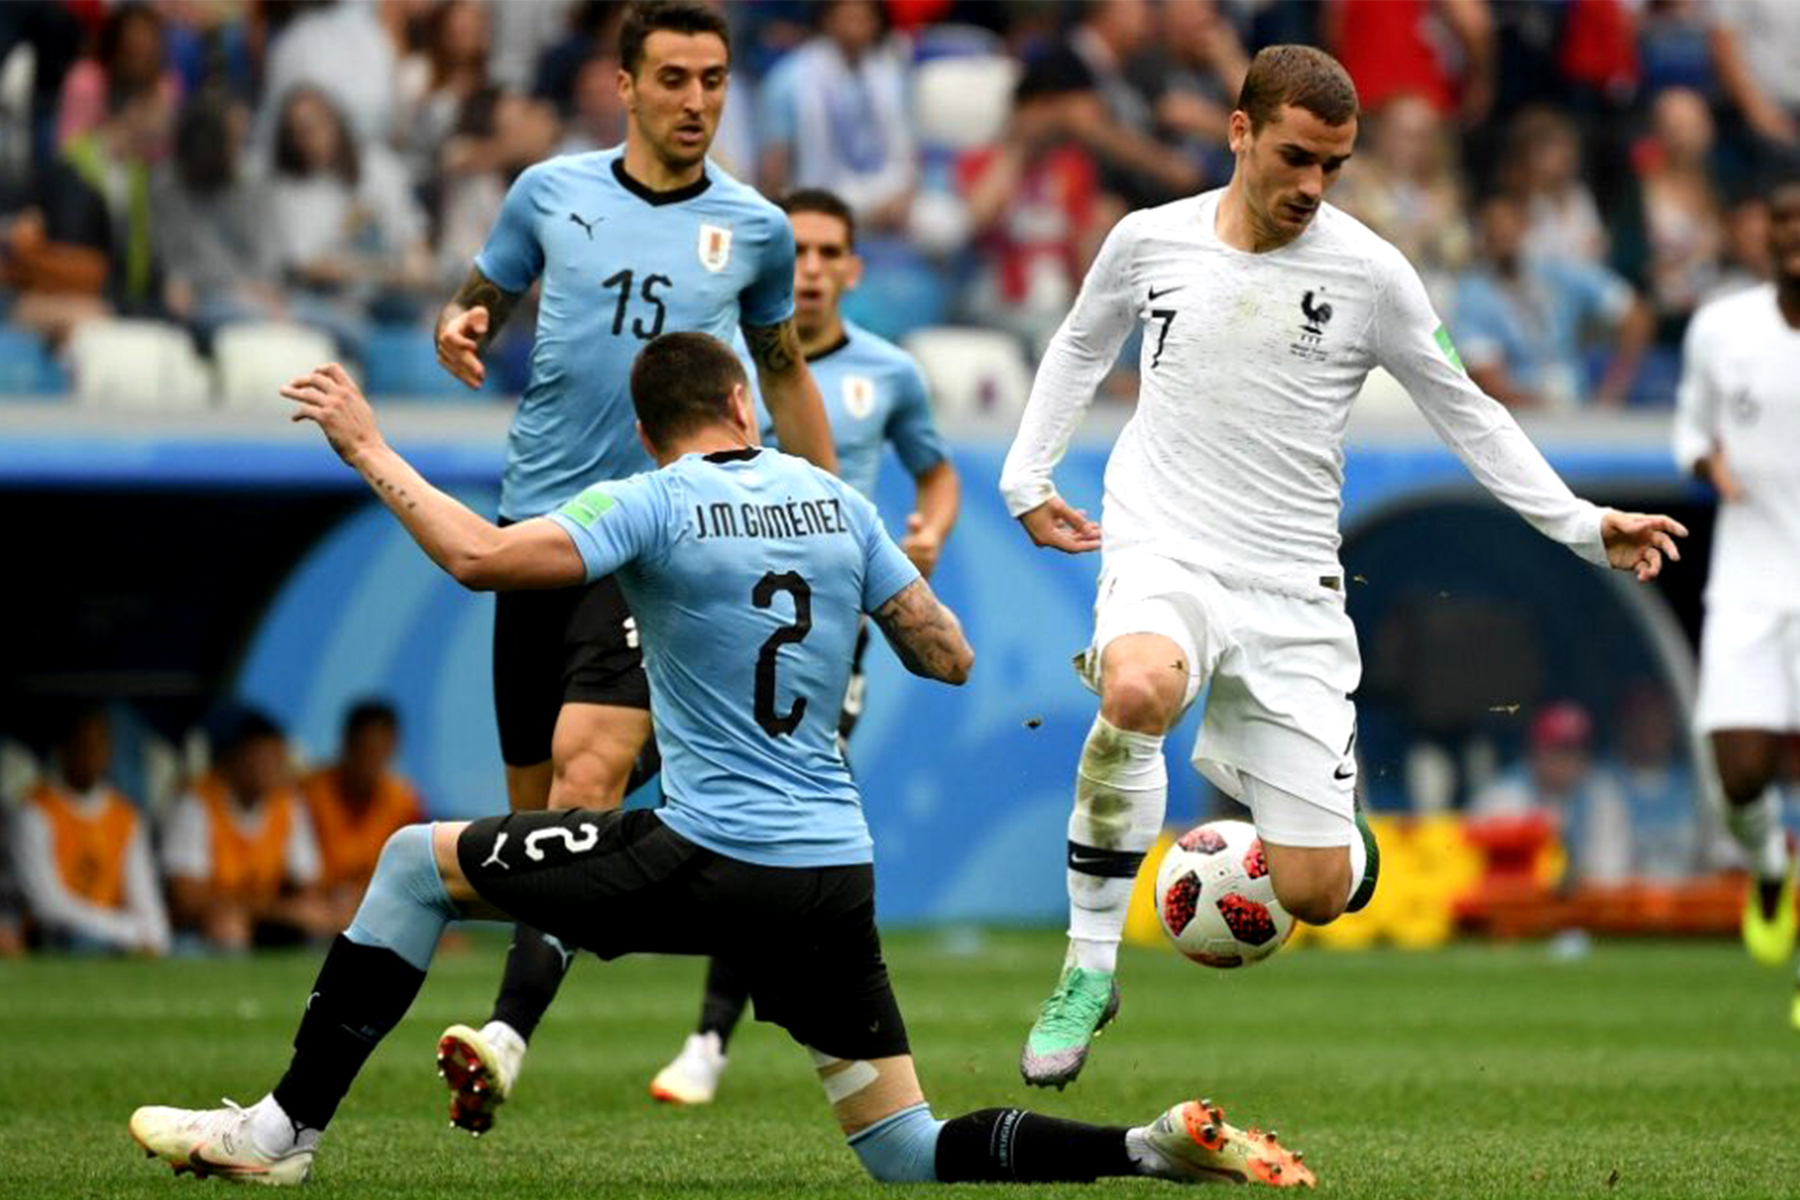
405,907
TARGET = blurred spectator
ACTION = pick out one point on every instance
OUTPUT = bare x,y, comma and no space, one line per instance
499,134
350,231
1682,221
1440,50
212,224
1675,47
592,31
239,852
356,803
596,118
1093,98
1520,319
1542,169
1559,777
435,83
84,854
835,115
1205,68
1404,187
128,70
1033,208
57,282
1756,48
1746,261
1658,785
524,34
341,50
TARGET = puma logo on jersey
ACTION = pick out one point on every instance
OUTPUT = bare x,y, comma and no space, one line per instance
586,226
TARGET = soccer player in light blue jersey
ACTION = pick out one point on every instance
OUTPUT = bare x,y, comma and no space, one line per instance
752,570
875,396
627,244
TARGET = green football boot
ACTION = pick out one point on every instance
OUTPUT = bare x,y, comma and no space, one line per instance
1057,1046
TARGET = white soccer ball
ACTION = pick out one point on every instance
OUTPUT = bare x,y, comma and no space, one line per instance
1215,898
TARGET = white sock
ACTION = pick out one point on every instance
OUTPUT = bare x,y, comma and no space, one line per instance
274,1132
1147,1158
504,1038
1757,828
1121,790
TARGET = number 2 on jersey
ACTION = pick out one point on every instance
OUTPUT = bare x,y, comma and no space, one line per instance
763,595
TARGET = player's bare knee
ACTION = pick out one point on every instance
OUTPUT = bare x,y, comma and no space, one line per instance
1316,896
1132,697
588,781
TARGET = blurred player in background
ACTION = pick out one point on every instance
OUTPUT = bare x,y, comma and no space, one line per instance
874,396
239,852
1737,426
357,802
84,852
1262,311
629,243
755,569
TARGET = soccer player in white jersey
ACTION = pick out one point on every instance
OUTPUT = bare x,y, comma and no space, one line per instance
1262,310
1737,426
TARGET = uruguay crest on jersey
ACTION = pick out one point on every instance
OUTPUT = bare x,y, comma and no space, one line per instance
859,395
715,246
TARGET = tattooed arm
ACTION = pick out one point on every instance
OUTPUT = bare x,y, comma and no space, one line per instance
468,324
925,634
789,391
477,553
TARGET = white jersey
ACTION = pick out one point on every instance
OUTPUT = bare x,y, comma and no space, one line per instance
1234,458
1740,389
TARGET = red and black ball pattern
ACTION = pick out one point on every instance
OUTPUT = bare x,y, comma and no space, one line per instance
1179,903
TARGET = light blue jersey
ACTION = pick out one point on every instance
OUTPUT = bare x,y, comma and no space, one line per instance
747,572
873,393
620,265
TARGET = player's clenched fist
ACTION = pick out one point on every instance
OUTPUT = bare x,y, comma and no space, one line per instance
329,398
1056,525
459,345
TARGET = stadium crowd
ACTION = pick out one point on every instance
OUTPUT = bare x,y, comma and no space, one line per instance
1573,177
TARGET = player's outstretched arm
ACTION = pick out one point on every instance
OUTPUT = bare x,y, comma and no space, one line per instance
793,398
1639,542
477,553
468,324
925,634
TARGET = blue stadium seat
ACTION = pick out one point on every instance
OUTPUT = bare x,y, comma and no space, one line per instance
401,360
26,368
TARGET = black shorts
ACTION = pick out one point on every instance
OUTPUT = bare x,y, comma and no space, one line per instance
802,938
550,648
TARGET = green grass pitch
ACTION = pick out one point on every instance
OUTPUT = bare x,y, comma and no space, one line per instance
1642,1070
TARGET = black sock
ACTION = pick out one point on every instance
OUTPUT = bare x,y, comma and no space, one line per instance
1008,1145
534,971
726,995
360,995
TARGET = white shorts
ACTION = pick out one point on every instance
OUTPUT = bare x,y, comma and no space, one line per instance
1281,669
1749,669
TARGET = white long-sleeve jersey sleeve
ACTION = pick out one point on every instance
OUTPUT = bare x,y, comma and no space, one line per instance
1411,342
1081,353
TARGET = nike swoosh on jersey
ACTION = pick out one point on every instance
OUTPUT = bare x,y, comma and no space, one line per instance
1156,295
1343,773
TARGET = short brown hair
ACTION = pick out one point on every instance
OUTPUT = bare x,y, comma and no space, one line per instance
645,17
1299,75
681,382
819,200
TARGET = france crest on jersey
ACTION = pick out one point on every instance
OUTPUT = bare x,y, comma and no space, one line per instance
873,393
748,572
620,265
